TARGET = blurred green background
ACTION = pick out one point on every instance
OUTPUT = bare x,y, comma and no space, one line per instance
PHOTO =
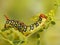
24,10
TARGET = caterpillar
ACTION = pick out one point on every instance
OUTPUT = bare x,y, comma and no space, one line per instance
21,27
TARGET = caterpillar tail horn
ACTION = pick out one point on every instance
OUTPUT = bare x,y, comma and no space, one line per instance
7,18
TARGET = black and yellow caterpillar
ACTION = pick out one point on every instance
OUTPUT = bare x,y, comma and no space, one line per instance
20,26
